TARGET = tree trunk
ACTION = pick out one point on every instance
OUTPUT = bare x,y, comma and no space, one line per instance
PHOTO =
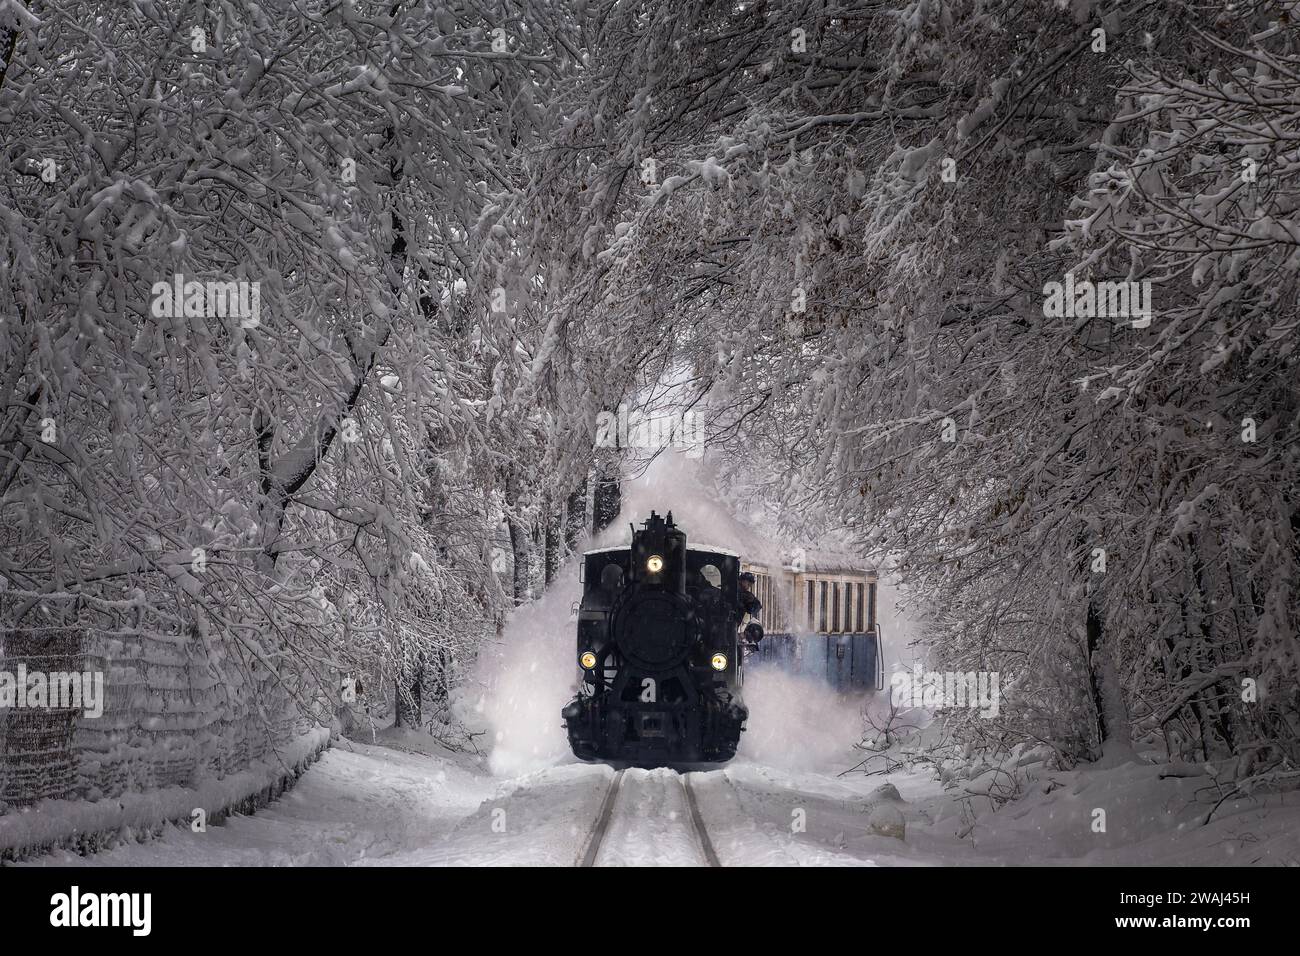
1113,730
408,707
609,498
537,553
1211,655
551,548
1185,671
438,689
519,548
575,519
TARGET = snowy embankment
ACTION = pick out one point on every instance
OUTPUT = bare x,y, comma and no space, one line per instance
356,802
84,825
1150,820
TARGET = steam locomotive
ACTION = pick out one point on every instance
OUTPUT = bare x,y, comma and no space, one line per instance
659,652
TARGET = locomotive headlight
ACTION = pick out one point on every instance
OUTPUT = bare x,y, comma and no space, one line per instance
655,564
587,660
719,662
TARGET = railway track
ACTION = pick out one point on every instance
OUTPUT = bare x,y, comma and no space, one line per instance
646,806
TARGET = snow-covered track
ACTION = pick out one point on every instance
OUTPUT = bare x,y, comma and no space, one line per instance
649,818
597,834
698,823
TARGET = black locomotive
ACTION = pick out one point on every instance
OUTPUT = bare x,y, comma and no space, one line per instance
659,652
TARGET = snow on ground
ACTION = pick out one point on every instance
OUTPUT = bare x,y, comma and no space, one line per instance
405,801
358,803
650,824
542,818
1149,820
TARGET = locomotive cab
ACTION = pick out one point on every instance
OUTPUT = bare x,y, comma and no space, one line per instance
658,653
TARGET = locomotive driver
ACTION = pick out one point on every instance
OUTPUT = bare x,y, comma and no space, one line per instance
749,603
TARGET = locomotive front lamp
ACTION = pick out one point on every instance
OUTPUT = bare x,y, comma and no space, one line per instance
719,662
655,564
588,660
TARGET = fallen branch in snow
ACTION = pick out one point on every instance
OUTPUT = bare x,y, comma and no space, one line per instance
1180,769
889,767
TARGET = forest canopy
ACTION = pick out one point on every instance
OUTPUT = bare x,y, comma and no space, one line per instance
1001,294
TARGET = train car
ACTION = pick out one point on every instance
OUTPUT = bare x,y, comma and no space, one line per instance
819,612
660,658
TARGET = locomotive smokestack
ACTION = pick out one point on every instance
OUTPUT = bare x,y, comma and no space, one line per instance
659,555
